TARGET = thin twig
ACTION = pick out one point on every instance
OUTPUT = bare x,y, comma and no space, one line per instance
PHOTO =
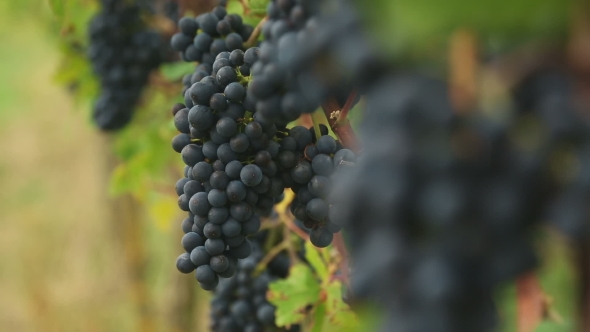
245,6
343,252
290,248
272,253
341,127
342,130
531,302
343,116
255,33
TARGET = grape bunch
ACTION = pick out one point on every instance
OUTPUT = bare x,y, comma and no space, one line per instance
239,161
449,203
230,173
123,52
547,99
421,245
239,303
311,171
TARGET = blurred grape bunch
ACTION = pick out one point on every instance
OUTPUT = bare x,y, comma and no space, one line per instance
123,52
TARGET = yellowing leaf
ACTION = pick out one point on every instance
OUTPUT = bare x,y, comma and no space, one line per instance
163,209
338,313
291,296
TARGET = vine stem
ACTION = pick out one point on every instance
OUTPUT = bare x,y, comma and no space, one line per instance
340,125
341,247
286,217
255,33
290,248
272,253
343,116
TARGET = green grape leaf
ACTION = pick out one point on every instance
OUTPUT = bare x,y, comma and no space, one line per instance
175,71
338,313
552,326
235,7
291,296
258,7
319,318
312,255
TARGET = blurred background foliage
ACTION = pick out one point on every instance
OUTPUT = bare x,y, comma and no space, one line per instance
90,228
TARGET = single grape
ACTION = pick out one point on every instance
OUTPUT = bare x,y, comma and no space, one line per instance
233,41
183,202
242,251
226,154
219,263
217,198
236,191
212,231
184,264
253,130
231,228
251,226
343,155
205,274
233,169
239,143
251,175
215,246
187,225
322,164
210,150
219,180
180,141
266,314
288,144
319,186
180,186
234,92
288,159
241,211
226,75
192,154
201,117
236,57
218,215
302,172
320,237
181,121
202,171
190,241
251,56
199,204
317,209
199,256
326,144
218,102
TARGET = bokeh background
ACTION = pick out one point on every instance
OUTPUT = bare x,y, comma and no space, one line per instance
76,255
73,257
